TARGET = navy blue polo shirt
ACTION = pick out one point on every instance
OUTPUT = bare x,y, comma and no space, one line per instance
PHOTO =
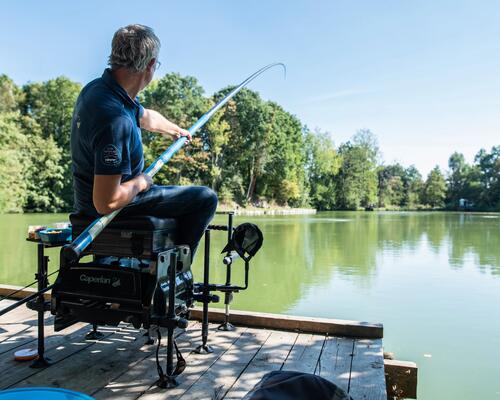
105,137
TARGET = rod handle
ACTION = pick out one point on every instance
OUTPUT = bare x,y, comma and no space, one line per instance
71,253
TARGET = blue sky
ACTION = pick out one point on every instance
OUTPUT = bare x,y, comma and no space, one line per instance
424,76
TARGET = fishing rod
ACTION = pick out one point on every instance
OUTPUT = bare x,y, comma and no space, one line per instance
73,251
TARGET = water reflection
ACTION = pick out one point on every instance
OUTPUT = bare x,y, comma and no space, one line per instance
301,253
415,272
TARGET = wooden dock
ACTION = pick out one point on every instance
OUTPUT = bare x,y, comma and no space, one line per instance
121,366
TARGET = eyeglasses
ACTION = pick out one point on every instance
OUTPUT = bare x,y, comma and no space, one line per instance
157,65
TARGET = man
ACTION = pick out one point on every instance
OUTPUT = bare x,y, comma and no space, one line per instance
106,145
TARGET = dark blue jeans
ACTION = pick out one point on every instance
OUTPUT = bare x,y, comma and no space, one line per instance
192,206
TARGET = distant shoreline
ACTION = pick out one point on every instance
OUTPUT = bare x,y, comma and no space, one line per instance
265,211
311,211
297,211
432,210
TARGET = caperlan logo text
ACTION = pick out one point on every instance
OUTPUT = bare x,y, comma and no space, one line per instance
95,279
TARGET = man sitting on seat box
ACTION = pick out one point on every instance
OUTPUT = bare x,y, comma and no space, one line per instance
106,144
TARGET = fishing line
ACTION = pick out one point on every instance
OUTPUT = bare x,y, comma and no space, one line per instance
27,286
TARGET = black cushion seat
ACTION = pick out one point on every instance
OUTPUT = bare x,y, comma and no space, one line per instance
134,222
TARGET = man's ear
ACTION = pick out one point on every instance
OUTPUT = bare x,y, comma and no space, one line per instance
151,64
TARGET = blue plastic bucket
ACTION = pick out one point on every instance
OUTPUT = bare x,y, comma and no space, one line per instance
41,393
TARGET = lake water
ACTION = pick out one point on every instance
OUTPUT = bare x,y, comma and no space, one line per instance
432,279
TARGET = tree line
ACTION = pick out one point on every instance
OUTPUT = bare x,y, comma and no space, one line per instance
253,152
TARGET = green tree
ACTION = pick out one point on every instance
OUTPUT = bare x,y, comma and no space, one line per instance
322,166
283,179
13,164
399,186
357,180
457,179
181,100
51,105
489,175
44,175
463,181
10,95
391,190
435,188
248,150
412,181
215,137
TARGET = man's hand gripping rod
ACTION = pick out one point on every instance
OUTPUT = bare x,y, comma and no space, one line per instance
73,251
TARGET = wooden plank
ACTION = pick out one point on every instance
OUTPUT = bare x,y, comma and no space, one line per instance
270,357
198,364
25,335
13,329
12,371
219,378
401,378
6,290
305,353
141,375
16,325
60,347
19,326
367,373
94,367
335,361
22,313
5,303
334,327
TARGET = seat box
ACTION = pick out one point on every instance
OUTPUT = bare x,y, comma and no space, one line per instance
136,236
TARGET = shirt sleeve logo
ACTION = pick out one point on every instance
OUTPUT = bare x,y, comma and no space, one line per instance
111,156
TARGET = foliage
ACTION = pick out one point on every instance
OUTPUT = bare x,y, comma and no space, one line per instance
251,152
434,192
399,187
489,177
13,163
284,176
413,184
10,95
248,151
215,136
50,104
463,181
322,166
45,176
180,99
356,185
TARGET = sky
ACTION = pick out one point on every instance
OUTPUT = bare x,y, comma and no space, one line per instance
423,76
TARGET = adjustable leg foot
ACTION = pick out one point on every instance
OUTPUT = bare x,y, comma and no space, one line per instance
167,382
149,339
41,362
204,349
226,326
94,334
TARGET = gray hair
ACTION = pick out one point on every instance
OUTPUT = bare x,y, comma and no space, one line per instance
133,47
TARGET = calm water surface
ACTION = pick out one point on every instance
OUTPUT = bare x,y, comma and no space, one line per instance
432,279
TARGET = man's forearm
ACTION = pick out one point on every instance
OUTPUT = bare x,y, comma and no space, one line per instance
129,190
155,122
106,201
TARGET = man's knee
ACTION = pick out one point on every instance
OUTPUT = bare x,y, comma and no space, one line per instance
209,198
